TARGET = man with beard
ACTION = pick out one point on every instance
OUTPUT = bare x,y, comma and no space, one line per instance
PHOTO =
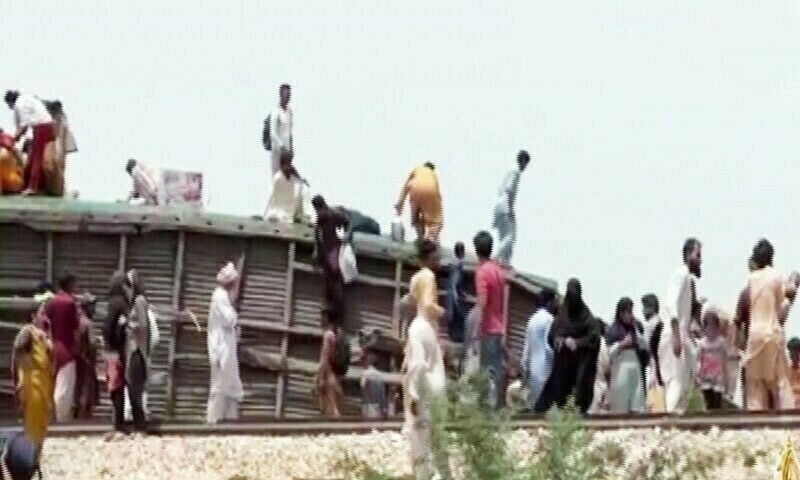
676,350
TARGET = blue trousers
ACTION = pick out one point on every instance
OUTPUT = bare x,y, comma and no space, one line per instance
492,363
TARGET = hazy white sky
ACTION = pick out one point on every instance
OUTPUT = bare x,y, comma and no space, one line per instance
647,121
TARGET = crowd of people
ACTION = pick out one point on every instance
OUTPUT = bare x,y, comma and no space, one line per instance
684,346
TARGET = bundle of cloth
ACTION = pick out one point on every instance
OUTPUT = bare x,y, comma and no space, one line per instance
12,179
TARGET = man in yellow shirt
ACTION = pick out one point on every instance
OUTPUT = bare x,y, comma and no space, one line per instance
422,188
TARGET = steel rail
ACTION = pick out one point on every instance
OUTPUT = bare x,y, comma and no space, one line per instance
357,425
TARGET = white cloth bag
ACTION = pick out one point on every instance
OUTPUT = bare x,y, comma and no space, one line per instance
152,320
398,230
348,264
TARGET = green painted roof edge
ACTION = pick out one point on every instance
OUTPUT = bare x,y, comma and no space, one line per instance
67,214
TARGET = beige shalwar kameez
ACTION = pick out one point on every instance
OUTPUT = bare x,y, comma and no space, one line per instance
765,359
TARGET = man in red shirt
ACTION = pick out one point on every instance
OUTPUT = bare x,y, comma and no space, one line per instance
490,330
62,310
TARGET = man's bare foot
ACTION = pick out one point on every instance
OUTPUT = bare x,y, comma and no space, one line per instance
28,192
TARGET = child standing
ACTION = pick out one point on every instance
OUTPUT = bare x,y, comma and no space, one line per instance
712,362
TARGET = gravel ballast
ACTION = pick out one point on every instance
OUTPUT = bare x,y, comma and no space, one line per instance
626,454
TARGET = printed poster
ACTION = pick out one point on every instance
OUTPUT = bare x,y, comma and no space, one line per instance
182,188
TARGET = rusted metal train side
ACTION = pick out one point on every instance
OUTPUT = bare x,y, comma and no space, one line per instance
178,254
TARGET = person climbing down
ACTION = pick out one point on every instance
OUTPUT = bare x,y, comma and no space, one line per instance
504,218
425,198
327,249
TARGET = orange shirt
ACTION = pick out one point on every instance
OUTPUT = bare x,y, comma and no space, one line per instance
423,185
794,378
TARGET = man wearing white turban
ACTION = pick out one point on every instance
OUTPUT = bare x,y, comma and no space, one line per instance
225,390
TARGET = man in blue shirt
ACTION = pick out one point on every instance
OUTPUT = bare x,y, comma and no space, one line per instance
455,296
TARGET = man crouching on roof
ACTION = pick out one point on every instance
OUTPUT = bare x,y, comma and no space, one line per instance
146,180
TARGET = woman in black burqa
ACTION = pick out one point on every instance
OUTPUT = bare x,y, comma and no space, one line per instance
575,339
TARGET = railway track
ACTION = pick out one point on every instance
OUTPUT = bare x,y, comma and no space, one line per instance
357,425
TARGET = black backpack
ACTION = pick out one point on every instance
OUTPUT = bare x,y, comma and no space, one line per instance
341,354
20,456
266,138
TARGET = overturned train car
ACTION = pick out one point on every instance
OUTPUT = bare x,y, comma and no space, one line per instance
178,254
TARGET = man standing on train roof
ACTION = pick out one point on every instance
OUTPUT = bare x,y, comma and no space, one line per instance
504,218
281,123
676,350
425,198
31,112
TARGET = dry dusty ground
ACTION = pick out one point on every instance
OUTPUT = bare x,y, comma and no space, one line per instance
627,454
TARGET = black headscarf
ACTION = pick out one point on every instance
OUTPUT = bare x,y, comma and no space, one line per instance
574,318
118,304
619,329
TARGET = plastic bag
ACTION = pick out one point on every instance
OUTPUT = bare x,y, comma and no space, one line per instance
347,263
152,320
398,230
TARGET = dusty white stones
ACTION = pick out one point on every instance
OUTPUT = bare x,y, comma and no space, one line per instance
626,454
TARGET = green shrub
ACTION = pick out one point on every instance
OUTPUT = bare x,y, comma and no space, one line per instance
473,441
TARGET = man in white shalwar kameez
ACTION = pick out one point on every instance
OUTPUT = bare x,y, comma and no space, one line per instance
286,200
677,348
504,218
425,380
281,124
225,391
